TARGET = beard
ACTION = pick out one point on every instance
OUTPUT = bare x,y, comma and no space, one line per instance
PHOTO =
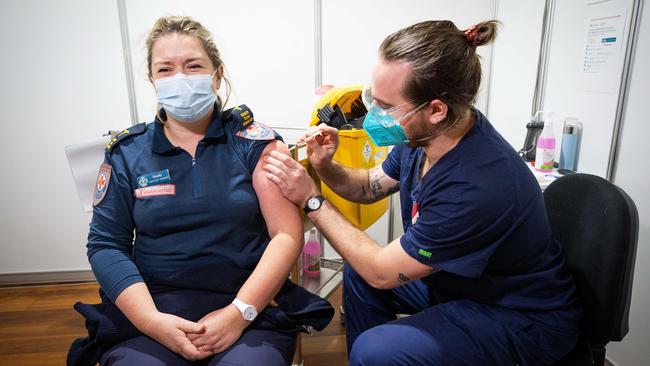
420,132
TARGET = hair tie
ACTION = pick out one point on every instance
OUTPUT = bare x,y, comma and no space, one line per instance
471,34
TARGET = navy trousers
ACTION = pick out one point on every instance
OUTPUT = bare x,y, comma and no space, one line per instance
459,332
254,347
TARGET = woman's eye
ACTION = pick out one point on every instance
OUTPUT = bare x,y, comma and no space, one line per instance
195,66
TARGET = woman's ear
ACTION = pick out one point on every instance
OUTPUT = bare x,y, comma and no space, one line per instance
438,111
218,77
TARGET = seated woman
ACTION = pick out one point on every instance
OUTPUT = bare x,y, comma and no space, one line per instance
215,240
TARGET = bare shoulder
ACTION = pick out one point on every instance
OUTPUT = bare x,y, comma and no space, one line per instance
275,145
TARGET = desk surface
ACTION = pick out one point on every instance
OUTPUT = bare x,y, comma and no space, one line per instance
331,276
544,179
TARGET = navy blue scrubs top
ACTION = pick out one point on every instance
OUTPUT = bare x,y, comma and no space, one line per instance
185,212
478,216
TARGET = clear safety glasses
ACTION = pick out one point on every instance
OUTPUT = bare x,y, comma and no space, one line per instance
395,112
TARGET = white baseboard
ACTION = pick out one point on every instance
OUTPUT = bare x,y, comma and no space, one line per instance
42,278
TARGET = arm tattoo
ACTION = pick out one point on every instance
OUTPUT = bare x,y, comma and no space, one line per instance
377,190
402,279
373,181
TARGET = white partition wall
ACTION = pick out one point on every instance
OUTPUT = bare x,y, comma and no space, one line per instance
514,67
633,176
63,83
587,49
267,47
353,31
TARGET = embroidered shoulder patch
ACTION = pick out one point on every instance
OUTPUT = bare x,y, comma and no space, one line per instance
101,186
257,131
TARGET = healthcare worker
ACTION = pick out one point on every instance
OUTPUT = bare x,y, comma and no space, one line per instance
208,223
477,267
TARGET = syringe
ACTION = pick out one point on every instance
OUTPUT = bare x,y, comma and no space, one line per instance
304,142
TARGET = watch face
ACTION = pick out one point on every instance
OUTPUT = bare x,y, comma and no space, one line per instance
313,203
250,313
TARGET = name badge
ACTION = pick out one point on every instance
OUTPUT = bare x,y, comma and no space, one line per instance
161,190
152,179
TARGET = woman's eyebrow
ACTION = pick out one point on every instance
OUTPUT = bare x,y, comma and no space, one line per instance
192,59
161,63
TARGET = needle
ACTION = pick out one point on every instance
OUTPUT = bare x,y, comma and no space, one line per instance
304,142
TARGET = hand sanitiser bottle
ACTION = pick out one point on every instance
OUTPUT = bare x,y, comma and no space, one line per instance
545,152
311,255
570,144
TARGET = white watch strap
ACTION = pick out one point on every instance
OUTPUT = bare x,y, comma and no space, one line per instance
247,311
240,305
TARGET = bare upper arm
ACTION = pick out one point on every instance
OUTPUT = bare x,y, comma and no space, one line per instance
380,185
279,213
398,267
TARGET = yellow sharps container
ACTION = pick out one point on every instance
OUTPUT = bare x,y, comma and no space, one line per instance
340,107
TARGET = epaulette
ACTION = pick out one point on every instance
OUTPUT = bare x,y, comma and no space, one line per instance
246,126
131,131
242,115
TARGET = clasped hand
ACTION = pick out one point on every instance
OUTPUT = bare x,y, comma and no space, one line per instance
194,341
223,328
172,332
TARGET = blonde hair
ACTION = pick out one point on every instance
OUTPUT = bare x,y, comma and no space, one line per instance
187,26
444,60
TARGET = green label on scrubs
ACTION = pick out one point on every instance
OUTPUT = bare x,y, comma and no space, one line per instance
424,253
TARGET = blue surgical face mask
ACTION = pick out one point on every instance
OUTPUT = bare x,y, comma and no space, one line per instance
384,129
187,98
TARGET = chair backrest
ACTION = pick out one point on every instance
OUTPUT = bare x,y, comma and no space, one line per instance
84,159
597,225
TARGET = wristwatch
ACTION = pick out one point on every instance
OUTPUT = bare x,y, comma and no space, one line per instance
314,203
247,311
